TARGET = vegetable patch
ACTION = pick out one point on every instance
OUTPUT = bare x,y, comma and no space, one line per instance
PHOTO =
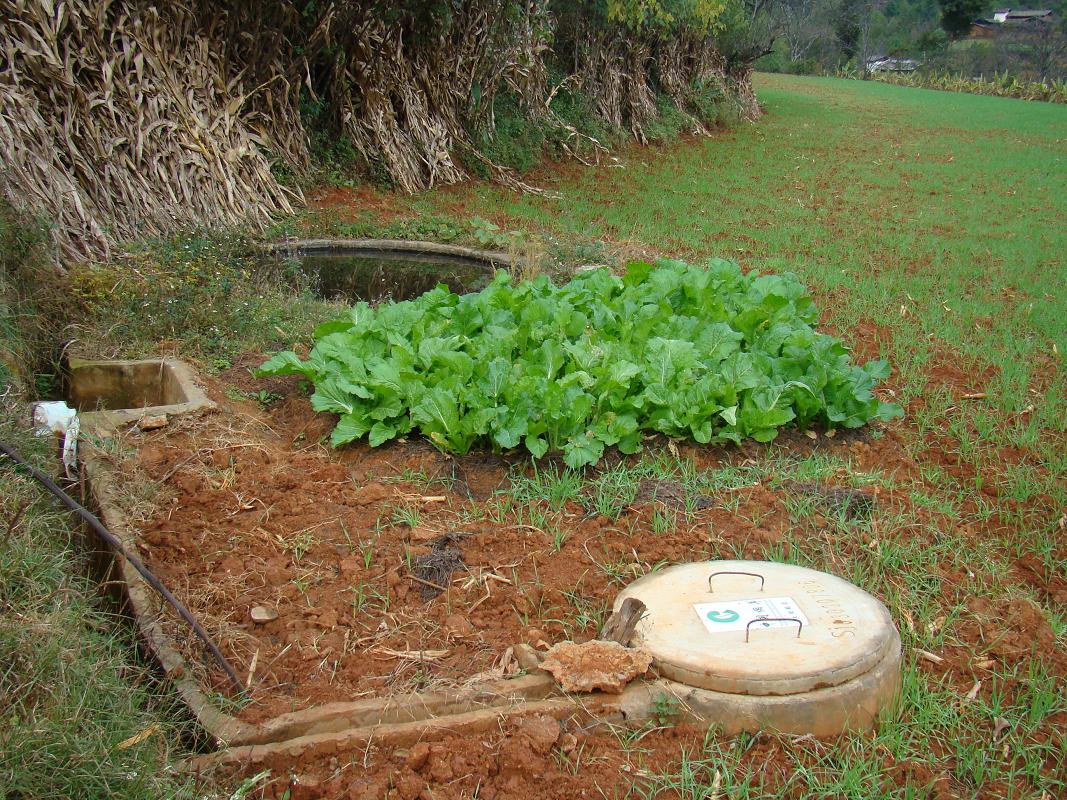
707,353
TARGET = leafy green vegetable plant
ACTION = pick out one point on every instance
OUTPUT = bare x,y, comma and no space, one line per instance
708,353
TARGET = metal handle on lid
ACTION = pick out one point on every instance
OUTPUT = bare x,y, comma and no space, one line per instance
800,625
735,572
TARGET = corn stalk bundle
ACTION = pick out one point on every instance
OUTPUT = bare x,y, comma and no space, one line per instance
613,68
122,119
408,91
691,66
263,42
622,71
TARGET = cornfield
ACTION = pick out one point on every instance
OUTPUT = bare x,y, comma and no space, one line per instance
1000,85
122,118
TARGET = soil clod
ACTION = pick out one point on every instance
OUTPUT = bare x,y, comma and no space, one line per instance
593,665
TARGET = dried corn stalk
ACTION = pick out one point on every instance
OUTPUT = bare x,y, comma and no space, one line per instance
120,120
622,71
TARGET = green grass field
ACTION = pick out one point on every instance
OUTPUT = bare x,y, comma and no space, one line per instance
880,197
931,227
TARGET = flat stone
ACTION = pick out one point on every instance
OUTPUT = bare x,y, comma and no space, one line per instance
421,534
536,637
589,666
543,732
459,626
418,755
262,614
372,493
153,422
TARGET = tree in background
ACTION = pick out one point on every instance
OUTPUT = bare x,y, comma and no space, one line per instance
957,15
913,28
802,24
847,26
1039,50
813,36
849,20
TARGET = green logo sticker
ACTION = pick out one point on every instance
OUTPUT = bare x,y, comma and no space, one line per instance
724,616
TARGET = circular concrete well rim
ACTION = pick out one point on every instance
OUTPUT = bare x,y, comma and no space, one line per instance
394,248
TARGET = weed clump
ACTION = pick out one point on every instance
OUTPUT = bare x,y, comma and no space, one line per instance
210,294
34,307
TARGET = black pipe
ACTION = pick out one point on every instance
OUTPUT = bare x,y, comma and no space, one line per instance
114,542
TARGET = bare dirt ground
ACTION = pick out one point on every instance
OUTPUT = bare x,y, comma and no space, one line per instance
399,569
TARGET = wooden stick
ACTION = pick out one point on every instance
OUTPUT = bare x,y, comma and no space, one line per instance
427,583
621,624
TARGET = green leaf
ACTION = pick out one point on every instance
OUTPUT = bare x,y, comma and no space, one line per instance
637,272
330,396
536,445
284,363
509,433
380,433
877,370
334,326
582,450
349,428
888,411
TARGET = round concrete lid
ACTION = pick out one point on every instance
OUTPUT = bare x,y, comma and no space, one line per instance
741,634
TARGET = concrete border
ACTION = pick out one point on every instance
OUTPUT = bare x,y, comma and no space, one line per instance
393,247
856,705
182,376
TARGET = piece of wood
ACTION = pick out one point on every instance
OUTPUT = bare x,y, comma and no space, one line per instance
621,624
926,655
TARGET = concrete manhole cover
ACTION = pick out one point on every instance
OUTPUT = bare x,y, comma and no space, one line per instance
757,637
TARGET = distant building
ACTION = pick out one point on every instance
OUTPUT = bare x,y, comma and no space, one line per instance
1010,16
1005,18
891,64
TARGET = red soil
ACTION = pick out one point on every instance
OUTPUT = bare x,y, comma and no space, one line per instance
254,510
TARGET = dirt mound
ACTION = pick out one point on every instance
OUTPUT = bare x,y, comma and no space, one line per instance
528,757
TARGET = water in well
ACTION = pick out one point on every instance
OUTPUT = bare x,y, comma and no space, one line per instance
382,276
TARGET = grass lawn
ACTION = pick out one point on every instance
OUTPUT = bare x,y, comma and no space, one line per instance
938,216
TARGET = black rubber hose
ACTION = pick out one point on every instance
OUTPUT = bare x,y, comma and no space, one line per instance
114,542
